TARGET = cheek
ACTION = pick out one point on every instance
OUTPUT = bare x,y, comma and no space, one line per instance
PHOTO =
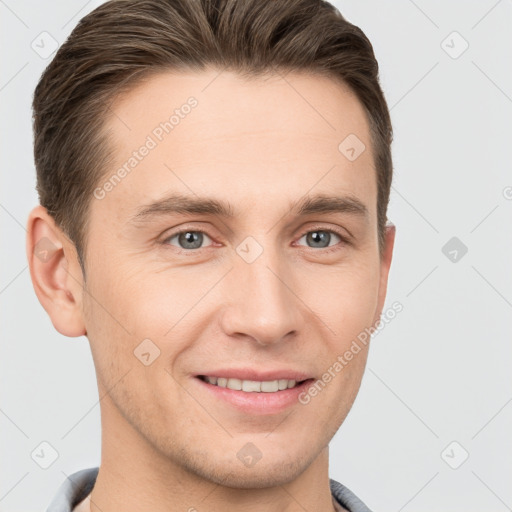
153,297
345,298
131,312
135,302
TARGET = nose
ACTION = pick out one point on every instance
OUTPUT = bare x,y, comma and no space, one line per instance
262,304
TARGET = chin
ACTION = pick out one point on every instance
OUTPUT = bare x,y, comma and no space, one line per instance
272,475
270,471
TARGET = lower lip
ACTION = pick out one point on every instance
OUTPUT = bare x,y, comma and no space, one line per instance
257,402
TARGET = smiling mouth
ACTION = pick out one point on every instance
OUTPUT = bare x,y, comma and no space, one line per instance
252,386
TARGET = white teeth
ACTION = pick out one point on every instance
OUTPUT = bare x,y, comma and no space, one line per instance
251,386
235,384
270,386
283,384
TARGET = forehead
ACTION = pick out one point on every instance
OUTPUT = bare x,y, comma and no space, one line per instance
255,140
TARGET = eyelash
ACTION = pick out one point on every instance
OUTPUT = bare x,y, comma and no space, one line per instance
343,240
336,247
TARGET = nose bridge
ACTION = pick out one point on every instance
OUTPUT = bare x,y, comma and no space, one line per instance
261,305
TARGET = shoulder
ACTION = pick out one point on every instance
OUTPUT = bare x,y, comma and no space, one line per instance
347,498
73,490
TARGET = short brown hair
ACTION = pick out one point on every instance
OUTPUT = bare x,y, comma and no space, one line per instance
123,41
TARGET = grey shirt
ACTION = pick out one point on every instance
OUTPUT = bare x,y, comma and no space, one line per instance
78,486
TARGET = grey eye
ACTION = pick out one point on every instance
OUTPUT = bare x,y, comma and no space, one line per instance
320,238
188,239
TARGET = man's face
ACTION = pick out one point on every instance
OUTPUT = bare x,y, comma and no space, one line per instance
268,290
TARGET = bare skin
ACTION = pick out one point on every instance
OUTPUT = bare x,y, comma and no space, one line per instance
168,442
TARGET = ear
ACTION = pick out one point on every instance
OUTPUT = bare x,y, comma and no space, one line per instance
385,263
55,272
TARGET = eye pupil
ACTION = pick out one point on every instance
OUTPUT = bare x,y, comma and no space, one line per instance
319,238
190,239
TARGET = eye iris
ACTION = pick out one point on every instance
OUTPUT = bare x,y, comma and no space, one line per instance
319,238
190,240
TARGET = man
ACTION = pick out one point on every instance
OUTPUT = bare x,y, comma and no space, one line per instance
214,178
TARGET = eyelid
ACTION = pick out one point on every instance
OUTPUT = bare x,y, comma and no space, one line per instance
344,239
167,237
344,236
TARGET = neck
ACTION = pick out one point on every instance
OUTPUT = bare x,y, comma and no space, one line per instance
134,476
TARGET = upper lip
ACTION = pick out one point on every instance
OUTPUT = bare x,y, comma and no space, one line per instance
259,375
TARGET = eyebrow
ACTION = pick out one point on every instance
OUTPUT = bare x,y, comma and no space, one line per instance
331,204
183,204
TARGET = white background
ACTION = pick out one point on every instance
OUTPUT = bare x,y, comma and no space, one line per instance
438,373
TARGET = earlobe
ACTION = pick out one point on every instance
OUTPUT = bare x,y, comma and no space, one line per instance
55,272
